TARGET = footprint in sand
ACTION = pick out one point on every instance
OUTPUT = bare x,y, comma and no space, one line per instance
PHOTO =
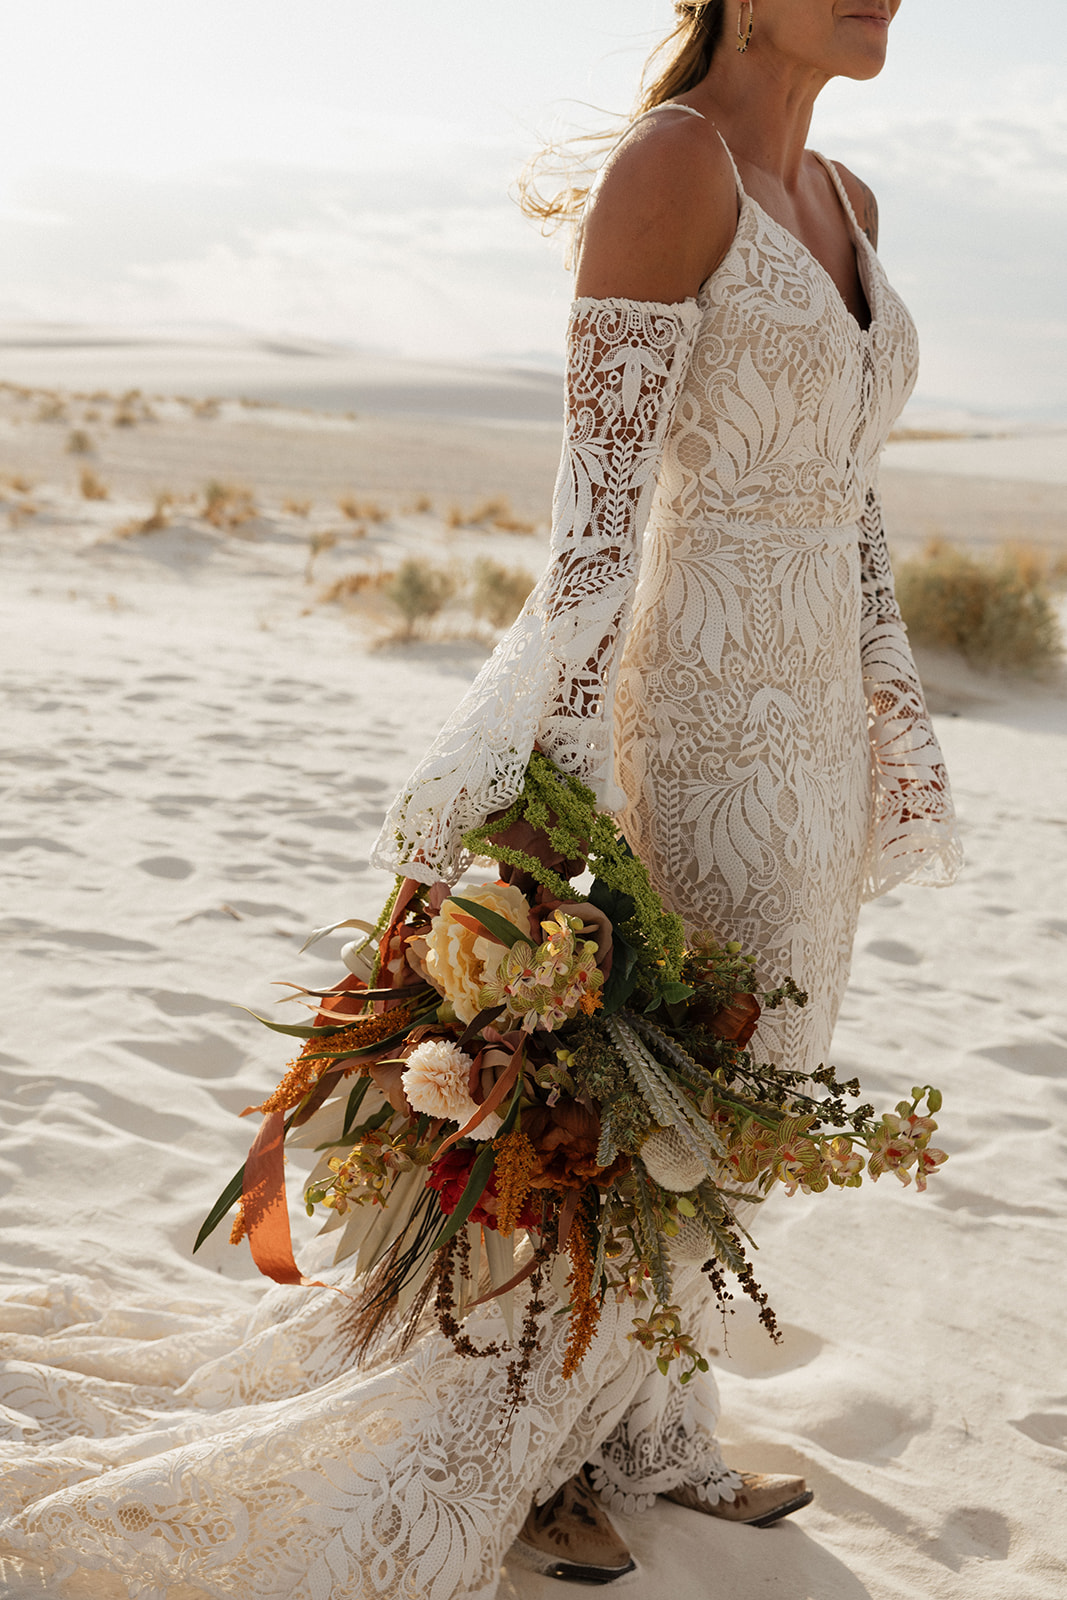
12,845
167,867
201,1055
1036,1058
971,1533
867,1429
894,950
1047,1428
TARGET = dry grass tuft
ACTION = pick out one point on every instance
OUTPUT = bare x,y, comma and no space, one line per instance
158,519
227,505
124,417
208,407
51,409
419,592
499,593
494,514
92,487
18,482
353,584
421,506
996,612
362,510
297,508
79,443
317,543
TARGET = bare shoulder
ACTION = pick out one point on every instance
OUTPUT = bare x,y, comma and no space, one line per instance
662,214
863,202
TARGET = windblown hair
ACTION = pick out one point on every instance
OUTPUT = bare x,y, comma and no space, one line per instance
676,65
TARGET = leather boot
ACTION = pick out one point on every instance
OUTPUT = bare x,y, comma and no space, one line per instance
570,1537
761,1499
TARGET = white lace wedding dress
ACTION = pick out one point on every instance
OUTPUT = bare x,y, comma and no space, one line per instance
755,693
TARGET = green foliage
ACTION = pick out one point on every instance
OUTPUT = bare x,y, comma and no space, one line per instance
419,592
996,612
499,593
565,810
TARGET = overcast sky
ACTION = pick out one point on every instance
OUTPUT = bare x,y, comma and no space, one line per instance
340,168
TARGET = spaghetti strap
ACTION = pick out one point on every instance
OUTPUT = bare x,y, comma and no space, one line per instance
741,195
842,193
668,105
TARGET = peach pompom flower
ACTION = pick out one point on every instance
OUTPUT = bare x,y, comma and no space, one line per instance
436,1082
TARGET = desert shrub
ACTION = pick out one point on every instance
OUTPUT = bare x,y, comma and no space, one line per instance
92,487
295,507
353,584
157,519
322,539
498,593
422,505
79,443
494,512
51,409
362,510
124,417
208,407
227,505
995,612
419,592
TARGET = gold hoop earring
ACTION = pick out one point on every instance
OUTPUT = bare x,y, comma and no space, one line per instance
744,36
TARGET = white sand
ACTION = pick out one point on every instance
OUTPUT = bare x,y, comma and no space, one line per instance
193,772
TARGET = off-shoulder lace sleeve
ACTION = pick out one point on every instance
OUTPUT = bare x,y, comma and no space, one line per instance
914,837
551,679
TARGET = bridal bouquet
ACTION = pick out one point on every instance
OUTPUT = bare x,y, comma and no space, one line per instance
517,1077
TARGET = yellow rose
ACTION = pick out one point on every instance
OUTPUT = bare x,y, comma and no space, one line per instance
459,960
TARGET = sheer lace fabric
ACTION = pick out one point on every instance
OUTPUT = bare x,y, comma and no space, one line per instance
277,1469
551,678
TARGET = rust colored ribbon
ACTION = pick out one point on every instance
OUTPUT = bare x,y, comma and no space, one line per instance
266,1210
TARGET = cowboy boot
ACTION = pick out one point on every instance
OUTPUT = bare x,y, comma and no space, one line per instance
570,1537
761,1499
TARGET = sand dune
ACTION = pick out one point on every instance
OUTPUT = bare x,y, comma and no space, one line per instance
196,756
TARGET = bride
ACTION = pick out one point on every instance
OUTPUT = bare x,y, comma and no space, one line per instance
715,648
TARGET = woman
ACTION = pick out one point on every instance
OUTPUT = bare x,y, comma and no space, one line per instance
736,359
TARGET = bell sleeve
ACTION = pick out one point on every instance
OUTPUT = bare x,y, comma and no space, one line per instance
913,836
551,679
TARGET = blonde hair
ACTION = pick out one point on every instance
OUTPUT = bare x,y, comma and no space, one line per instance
675,66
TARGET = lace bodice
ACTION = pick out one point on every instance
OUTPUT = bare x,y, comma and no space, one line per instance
761,403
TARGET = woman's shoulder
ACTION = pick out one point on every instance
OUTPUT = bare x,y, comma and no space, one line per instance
861,198
662,212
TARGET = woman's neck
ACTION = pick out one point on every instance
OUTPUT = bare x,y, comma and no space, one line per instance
762,109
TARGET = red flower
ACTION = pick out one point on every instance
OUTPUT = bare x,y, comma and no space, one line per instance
449,1175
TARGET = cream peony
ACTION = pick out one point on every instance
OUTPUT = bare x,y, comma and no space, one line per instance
436,1081
459,960
670,1162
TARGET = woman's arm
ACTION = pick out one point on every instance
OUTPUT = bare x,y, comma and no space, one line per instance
662,214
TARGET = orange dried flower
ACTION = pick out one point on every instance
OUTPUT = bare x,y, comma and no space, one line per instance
585,1311
240,1227
591,1001
306,1070
516,1160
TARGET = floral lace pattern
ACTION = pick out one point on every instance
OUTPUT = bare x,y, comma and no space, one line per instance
551,679
772,736
279,1469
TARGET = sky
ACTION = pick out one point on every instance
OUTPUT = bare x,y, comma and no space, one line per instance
341,169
